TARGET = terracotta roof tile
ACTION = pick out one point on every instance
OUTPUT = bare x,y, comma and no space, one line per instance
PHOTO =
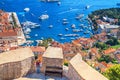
7,34
108,51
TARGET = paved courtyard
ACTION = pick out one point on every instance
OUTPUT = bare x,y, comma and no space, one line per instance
40,76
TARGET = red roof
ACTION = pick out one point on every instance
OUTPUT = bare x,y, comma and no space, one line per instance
108,51
7,34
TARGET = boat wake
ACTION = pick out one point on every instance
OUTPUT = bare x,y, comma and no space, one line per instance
68,11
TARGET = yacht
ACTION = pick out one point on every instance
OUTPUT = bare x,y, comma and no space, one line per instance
78,17
44,16
50,26
35,26
30,24
87,32
72,38
66,29
60,34
27,36
71,35
64,19
36,35
27,30
62,38
77,30
87,7
65,22
59,3
26,9
73,26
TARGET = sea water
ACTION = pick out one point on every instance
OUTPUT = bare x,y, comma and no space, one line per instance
68,9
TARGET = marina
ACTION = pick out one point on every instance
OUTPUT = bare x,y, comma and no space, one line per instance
48,20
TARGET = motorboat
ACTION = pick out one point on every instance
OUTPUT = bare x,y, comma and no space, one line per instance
71,35
77,30
27,36
35,25
30,24
28,30
65,22
72,38
62,38
26,9
73,26
59,3
50,26
66,29
78,17
36,35
87,7
44,16
64,19
60,34
87,32
81,25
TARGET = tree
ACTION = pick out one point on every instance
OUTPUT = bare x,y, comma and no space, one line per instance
101,45
113,73
112,41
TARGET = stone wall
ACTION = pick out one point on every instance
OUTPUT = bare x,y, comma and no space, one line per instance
12,70
55,62
73,74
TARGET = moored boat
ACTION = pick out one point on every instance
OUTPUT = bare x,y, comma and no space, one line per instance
44,16
73,26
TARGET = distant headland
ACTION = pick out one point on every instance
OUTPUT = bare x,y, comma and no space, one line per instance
105,16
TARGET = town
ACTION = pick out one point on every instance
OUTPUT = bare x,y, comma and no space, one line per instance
69,61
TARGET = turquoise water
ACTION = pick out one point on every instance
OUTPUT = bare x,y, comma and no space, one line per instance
68,9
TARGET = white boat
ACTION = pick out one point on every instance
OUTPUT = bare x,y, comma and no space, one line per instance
26,9
65,22
50,26
73,26
78,17
66,29
27,36
81,25
87,32
87,7
59,3
36,35
64,19
62,38
27,30
44,16
35,26
77,30
71,35
60,34
30,24
72,38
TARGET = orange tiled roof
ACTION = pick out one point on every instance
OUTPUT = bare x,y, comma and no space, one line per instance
6,34
108,51
104,63
94,50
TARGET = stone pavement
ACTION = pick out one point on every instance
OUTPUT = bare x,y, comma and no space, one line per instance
40,76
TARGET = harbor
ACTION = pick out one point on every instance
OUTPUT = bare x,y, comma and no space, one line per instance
61,21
